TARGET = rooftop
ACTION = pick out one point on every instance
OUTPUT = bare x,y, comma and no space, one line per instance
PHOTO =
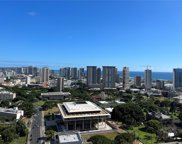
77,107
69,138
9,110
81,110
178,97
56,93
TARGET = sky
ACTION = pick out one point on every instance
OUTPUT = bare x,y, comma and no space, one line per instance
58,33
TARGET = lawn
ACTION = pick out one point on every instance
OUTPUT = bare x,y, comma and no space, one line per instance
20,140
50,111
145,137
39,103
110,135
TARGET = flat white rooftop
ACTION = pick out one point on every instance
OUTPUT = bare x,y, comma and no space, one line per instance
178,97
103,102
55,93
8,110
68,138
77,107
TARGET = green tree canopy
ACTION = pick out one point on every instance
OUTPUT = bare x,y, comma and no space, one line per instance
130,114
49,134
99,139
124,138
153,126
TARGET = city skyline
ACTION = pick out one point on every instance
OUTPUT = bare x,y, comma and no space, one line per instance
77,34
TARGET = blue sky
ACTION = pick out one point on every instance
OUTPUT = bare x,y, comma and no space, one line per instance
78,33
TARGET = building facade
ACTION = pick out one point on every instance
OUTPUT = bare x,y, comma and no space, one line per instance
91,76
148,79
126,77
60,84
74,73
177,78
4,95
82,115
109,75
137,81
44,77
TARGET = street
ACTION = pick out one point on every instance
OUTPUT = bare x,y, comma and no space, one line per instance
36,128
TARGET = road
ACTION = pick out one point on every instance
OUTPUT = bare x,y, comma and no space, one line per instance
36,128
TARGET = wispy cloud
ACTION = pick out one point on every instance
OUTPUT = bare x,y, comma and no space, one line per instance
32,13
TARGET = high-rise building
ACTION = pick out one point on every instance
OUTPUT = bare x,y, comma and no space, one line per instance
19,70
30,70
28,80
137,81
109,74
81,73
126,77
98,75
67,73
148,79
117,76
91,76
177,78
61,72
74,73
60,84
160,84
44,77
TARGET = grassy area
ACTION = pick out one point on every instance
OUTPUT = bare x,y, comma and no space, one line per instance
145,137
53,110
110,135
20,140
39,103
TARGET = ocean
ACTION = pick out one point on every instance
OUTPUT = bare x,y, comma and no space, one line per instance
155,75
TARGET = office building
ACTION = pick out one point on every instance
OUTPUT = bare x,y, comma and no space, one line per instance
28,80
148,79
30,70
55,95
126,77
61,72
45,76
67,73
117,76
60,84
19,70
98,75
109,75
74,73
137,81
83,115
91,76
10,114
177,78
81,73
5,95
160,84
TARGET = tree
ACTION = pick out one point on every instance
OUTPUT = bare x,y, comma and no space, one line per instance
8,134
28,108
166,103
129,114
124,138
49,134
153,126
48,105
5,103
21,129
180,116
99,139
